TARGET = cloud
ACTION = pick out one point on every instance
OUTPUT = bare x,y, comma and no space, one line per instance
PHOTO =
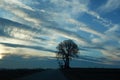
112,55
38,28
74,6
11,29
98,18
11,49
68,34
25,46
64,19
114,32
77,6
94,60
96,40
24,35
110,44
87,29
17,8
61,18
110,6
15,3
20,13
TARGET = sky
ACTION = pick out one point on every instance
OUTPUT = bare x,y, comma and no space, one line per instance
30,30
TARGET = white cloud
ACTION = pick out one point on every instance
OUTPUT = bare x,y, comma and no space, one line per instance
73,7
24,52
89,30
113,29
16,41
66,16
114,32
15,7
100,19
24,16
42,10
111,54
67,34
110,6
56,24
96,40
86,28
19,33
15,3
83,27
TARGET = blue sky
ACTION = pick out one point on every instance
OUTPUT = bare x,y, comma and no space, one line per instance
31,30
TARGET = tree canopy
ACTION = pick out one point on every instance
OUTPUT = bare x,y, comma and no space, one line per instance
66,50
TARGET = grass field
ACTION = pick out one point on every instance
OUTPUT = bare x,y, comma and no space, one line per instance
92,74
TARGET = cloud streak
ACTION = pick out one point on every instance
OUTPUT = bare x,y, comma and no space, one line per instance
110,6
38,27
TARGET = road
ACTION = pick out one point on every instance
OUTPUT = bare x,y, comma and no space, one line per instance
46,75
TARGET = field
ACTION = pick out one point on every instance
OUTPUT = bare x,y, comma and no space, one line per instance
92,74
70,74
12,74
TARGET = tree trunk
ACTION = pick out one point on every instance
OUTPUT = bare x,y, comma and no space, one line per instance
67,62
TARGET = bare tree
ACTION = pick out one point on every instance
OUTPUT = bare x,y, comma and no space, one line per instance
66,50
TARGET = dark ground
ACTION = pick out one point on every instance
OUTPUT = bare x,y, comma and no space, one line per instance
13,74
71,74
53,74
92,74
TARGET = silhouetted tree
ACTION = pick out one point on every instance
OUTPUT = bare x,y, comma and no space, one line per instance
66,50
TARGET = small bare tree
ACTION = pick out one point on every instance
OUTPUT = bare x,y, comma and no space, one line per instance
66,50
